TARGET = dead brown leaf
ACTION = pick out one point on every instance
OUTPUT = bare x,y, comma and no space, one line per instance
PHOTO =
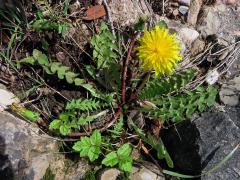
95,12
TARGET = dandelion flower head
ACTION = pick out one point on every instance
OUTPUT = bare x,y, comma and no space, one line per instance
159,51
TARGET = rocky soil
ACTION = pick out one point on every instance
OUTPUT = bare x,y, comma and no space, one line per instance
196,145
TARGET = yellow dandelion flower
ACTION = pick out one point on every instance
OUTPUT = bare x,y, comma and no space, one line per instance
159,51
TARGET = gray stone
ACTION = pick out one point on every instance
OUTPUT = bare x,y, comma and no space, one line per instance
228,97
229,93
25,153
219,135
142,170
220,20
109,174
183,9
188,35
198,145
146,171
127,13
210,23
197,47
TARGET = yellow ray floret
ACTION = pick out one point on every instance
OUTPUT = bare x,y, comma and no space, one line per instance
159,51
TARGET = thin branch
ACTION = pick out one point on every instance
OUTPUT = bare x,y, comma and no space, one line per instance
125,67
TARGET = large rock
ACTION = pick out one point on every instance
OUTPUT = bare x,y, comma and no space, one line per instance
200,144
25,153
219,135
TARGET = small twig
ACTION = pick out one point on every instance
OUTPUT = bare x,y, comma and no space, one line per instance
109,18
163,8
33,100
125,67
43,81
4,82
146,151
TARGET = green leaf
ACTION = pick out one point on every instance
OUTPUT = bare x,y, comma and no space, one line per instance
55,124
74,123
64,116
30,115
64,129
91,89
111,159
40,25
190,110
140,26
104,48
162,24
104,26
62,71
124,150
159,87
117,128
125,164
169,160
156,144
178,175
84,105
93,153
77,146
89,146
70,76
212,95
78,81
83,120
40,57
62,28
162,153
29,60
47,70
55,66
178,107
96,138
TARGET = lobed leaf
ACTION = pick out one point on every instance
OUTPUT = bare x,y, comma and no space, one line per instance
162,86
111,159
89,146
176,108
83,105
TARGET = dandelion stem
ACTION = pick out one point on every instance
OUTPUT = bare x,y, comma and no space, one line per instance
125,67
